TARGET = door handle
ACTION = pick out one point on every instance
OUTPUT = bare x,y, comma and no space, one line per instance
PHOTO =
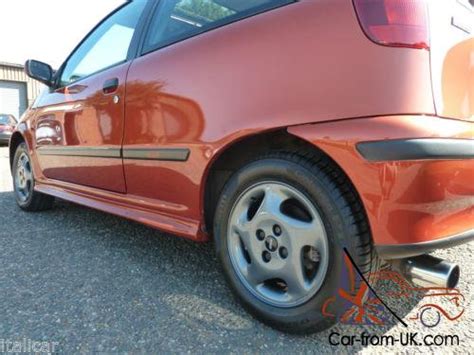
110,86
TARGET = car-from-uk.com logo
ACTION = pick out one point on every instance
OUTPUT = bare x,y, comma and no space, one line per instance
366,307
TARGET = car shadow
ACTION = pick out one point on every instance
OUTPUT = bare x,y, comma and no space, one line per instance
97,282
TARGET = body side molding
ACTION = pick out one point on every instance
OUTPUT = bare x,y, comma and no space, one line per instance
165,154
417,149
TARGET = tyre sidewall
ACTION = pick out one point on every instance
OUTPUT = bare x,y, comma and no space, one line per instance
316,189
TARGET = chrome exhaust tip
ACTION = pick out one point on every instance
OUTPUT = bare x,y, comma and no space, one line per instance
428,271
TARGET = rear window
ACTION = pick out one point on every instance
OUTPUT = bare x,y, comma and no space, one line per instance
175,20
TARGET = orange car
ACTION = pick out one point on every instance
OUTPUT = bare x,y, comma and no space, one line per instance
284,129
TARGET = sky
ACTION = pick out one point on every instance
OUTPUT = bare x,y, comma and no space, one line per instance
47,30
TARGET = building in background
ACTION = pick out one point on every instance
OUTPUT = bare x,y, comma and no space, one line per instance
17,90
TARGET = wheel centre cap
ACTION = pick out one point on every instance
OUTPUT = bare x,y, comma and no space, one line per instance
271,243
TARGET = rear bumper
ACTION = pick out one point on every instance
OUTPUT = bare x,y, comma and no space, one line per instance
414,175
401,251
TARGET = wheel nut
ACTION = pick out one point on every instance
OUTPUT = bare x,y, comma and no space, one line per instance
260,235
283,252
266,256
277,230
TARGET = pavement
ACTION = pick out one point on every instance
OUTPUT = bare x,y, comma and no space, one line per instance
89,282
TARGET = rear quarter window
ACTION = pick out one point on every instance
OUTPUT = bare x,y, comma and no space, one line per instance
176,20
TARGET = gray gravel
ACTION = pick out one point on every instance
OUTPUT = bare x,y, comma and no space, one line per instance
94,282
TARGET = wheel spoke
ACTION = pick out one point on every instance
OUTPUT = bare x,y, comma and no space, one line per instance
28,175
272,201
255,273
246,231
293,275
18,186
21,161
243,227
306,233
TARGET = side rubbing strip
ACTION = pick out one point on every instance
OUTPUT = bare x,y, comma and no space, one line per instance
417,149
180,154
81,152
166,154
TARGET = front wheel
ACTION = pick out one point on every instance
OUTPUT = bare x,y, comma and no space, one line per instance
24,182
280,228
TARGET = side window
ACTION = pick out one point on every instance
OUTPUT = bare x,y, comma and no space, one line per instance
175,20
105,47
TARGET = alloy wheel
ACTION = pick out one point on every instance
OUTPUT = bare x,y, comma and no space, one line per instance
278,244
23,178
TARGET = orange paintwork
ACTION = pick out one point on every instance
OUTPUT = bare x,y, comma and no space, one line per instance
306,67
410,201
222,93
83,116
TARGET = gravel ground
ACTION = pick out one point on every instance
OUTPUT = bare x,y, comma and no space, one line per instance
94,282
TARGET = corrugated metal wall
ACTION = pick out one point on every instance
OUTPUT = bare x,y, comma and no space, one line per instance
15,72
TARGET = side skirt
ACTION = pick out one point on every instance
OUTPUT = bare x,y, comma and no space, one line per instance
117,205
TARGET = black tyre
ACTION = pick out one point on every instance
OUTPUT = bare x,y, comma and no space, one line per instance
280,227
24,181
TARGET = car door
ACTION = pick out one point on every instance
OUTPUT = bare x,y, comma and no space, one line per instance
79,124
172,96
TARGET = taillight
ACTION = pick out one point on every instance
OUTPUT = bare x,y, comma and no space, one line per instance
396,23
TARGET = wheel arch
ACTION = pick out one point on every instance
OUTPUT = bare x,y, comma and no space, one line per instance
243,151
16,139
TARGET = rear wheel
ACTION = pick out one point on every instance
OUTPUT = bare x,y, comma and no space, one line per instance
23,182
280,228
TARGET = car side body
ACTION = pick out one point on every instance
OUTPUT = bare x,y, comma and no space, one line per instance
180,120
205,104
